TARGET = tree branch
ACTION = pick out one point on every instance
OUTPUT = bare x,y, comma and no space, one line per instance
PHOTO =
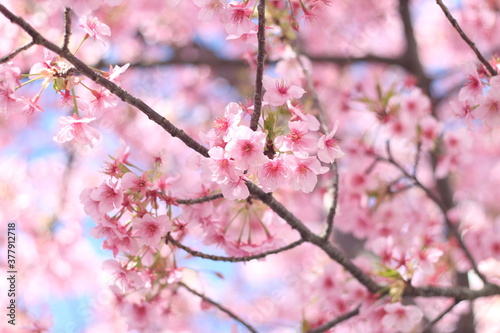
67,28
333,208
199,200
428,327
218,306
462,34
335,321
261,38
198,254
16,52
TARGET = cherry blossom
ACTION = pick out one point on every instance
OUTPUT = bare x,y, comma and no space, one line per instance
401,318
304,172
149,230
328,148
77,129
473,89
279,91
94,28
246,147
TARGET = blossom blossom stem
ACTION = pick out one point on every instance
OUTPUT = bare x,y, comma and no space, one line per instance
261,53
195,253
336,321
218,306
464,36
428,327
67,27
16,52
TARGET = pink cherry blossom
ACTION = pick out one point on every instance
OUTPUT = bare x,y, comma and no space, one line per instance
77,129
209,8
149,230
300,140
401,318
246,147
235,190
235,18
489,105
279,91
272,174
298,115
223,168
473,88
94,28
304,172
109,195
125,279
137,184
328,148
9,76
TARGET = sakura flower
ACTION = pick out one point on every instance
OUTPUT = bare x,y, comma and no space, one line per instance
489,105
246,147
473,88
109,196
125,279
94,28
232,116
463,110
273,173
209,8
401,318
304,172
278,91
9,76
222,167
235,190
300,140
236,19
115,72
136,184
140,316
328,149
103,100
75,128
298,115
150,230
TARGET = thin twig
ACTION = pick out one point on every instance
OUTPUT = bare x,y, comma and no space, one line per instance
335,321
16,52
219,306
462,34
428,327
333,209
261,53
67,28
195,253
417,158
199,200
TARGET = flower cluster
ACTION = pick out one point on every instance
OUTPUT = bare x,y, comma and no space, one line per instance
268,156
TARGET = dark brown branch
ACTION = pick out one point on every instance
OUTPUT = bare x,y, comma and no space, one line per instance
333,208
261,53
16,52
199,200
428,327
67,28
466,38
195,253
335,321
219,306
458,293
